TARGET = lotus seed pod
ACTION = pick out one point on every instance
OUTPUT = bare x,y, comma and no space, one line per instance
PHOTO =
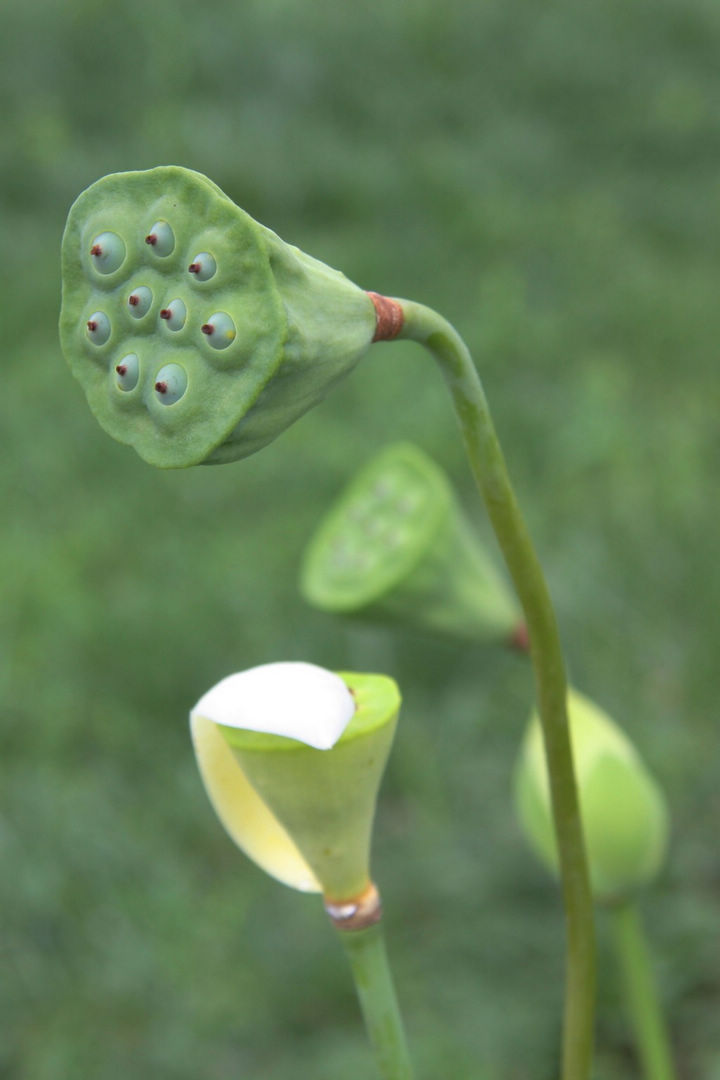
170,270
396,547
291,757
625,818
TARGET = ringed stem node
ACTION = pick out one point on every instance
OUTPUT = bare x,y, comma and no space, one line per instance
358,912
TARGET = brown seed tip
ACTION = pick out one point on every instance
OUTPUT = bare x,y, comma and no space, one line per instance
92,326
166,313
194,268
121,369
151,239
161,387
96,250
207,328
133,300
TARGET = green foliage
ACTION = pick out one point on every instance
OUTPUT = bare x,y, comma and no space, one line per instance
548,180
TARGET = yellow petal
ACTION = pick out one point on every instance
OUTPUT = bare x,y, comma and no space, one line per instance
244,815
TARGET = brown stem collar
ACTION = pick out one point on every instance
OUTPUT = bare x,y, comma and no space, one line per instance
389,317
358,913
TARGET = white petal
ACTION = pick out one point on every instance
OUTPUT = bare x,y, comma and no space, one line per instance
300,701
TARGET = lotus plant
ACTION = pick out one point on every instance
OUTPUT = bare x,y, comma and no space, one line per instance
199,336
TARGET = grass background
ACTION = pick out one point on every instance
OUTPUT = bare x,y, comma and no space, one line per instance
548,178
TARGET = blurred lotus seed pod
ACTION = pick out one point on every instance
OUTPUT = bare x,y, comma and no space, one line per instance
292,756
161,265
625,818
395,547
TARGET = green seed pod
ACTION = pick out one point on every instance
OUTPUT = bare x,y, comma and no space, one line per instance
171,271
396,547
624,814
297,797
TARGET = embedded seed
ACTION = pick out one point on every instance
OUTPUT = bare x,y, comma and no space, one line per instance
203,266
161,239
107,252
170,383
128,372
174,315
98,328
219,330
409,502
139,301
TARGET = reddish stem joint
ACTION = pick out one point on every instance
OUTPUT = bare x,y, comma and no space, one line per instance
389,317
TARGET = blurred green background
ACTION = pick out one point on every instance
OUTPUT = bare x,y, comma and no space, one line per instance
548,177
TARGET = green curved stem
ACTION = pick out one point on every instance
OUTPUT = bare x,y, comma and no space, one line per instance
488,464
647,1022
371,972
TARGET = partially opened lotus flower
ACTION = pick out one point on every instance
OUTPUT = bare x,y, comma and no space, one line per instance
198,335
624,814
396,547
292,756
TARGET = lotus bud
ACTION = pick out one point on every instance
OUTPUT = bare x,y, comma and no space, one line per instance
163,266
291,756
395,547
625,819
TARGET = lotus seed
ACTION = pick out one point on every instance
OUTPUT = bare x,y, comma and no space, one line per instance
128,372
139,301
170,384
98,328
161,239
108,252
174,315
220,330
203,266
409,503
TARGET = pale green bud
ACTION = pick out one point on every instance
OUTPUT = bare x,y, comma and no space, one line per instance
162,266
395,546
291,757
625,820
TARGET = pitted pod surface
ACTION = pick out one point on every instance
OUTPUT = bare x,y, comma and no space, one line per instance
168,297
376,530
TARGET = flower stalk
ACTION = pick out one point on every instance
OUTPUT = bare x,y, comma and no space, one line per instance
367,954
643,1006
425,326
